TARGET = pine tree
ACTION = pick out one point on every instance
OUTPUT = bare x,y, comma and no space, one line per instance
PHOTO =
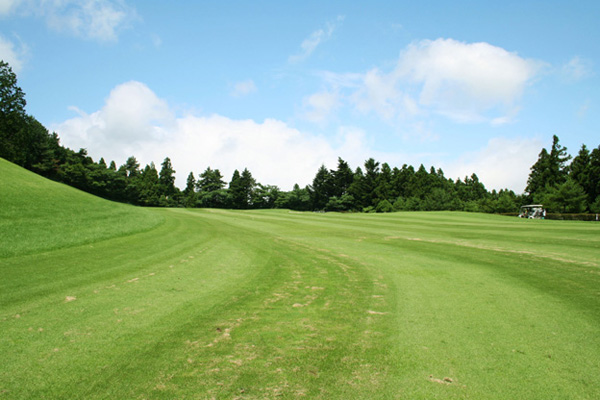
166,181
322,188
580,168
210,180
189,193
241,188
549,170
342,178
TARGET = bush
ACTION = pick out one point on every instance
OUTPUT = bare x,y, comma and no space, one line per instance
384,206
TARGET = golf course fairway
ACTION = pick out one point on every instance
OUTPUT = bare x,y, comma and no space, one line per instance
100,300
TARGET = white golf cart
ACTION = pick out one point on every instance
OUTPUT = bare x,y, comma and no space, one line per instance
532,211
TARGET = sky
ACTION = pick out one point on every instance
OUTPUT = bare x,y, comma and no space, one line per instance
282,88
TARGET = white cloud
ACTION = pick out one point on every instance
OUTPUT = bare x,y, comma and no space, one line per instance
243,88
12,54
465,77
376,94
134,121
467,83
6,6
320,105
577,68
308,45
132,116
91,19
502,163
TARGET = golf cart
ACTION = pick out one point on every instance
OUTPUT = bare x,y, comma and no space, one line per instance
532,211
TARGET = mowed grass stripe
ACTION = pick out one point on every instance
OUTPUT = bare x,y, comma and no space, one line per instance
38,215
533,287
130,348
273,304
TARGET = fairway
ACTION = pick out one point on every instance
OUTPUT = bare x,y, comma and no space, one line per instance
202,304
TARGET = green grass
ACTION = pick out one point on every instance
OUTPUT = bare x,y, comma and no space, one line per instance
38,215
221,304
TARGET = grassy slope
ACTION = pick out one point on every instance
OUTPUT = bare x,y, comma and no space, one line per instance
38,215
270,304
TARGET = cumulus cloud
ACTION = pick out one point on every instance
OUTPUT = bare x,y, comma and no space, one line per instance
91,19
308,45
463,79
135,121
464,82
13,54
502,163
243,88
132,116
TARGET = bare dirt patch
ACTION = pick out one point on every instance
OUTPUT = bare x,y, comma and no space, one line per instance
444,381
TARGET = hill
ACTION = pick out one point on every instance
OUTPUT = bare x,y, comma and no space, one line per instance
37,214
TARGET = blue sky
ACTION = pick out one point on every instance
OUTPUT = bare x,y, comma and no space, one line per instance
282,87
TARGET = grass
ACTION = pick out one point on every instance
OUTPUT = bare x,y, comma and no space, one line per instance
273,304
39,215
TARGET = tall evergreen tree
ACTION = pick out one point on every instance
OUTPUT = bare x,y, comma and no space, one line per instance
210,180
580,168
189,193
342,178
166,181
149,187
358,189
132,167
241,188
384,188
559,159
322,188
371,179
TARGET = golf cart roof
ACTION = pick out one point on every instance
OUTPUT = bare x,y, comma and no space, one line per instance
533,206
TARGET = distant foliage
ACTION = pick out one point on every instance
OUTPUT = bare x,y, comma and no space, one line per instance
562,187
379,187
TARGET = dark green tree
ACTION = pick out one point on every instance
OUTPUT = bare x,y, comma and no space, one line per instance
265,196
241,189
580,169
131,172
297,199
384,187
549,170
210,180
166,182
594,176
566,197
149,187
342,178
321,189
189,193
12,117
371,180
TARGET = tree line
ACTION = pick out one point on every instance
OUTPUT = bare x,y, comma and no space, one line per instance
374,187
563,186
